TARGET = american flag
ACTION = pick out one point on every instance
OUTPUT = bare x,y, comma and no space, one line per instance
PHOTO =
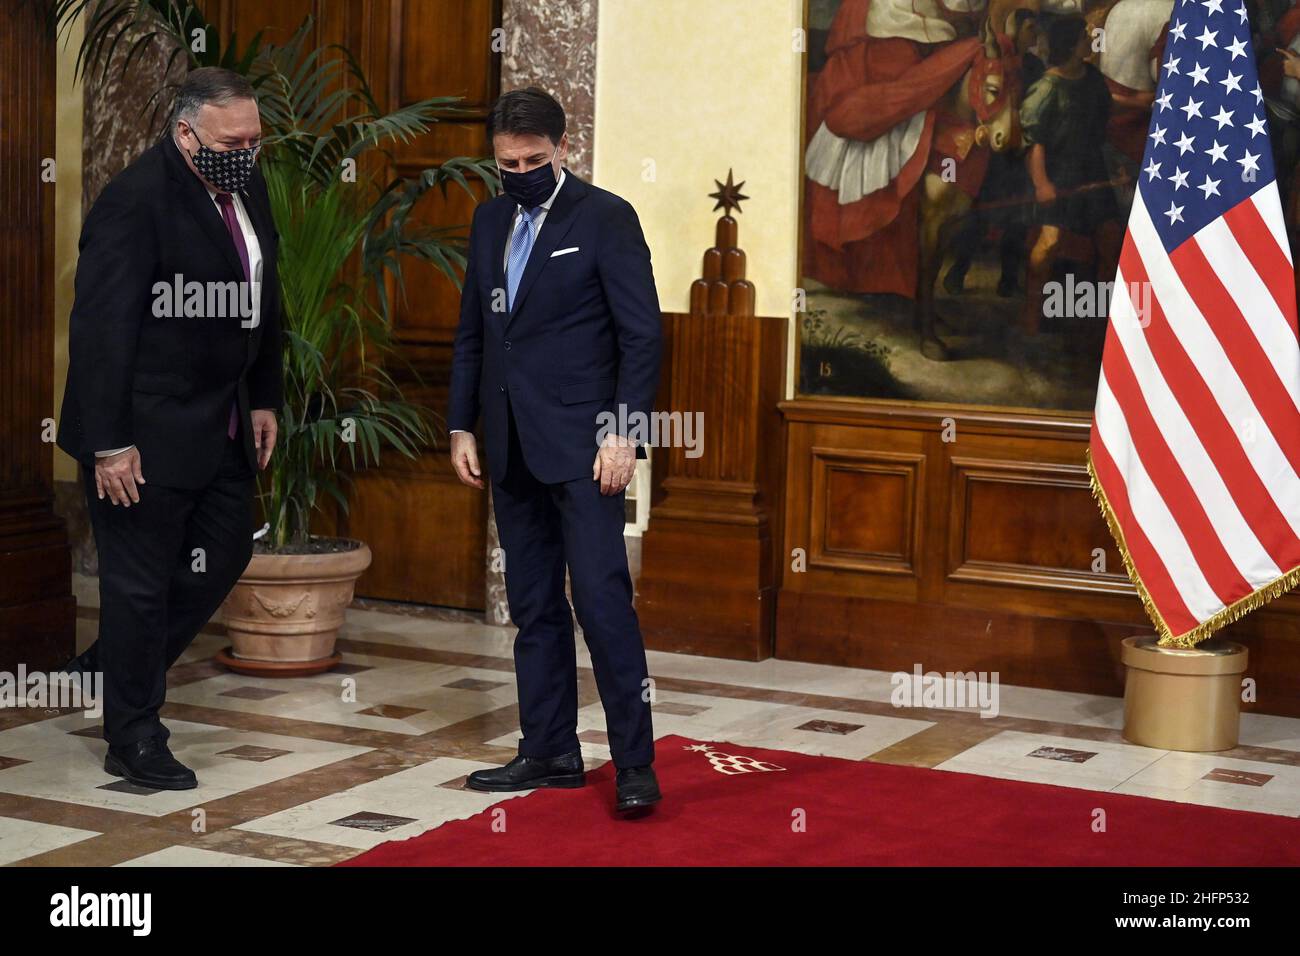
1195,445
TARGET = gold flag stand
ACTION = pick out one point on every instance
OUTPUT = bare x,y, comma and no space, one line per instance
1183,698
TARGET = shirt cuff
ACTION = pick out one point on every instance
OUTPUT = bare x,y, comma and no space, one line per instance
115,451
455,430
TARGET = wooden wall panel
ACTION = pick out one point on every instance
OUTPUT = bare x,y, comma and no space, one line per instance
1029,523
865,510
37,610
427,314
440,48
276,20
443,48
981,552
431,527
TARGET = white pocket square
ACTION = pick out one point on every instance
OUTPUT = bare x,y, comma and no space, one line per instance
564,252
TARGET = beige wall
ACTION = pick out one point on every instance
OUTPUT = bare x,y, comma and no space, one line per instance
684,91
67,220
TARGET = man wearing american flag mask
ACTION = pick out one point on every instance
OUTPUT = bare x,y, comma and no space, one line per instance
1195,447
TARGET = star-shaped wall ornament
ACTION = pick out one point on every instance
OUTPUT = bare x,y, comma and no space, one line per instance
728,196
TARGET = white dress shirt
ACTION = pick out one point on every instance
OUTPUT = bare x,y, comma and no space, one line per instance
254,270
537,231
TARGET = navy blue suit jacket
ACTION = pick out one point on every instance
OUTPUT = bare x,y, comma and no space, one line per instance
584,336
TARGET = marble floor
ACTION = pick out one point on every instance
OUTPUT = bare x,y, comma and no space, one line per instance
310,771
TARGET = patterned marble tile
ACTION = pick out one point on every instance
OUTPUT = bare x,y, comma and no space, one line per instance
1034,703
1246,777
470,683
395,711
1017,756
249,752
1063,753
198,856
349,668
20,839
1266,730
396,696
126,786
677,708
67,767
1199,778
253,693
757,724
829,727
374,822
415,793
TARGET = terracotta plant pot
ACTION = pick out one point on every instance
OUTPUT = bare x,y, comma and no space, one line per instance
284,614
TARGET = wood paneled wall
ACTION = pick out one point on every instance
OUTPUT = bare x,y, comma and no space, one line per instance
37,610
424,527
961,539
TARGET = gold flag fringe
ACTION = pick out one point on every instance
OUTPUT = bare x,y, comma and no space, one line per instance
1237,609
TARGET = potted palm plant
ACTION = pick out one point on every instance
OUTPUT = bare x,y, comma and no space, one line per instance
343,240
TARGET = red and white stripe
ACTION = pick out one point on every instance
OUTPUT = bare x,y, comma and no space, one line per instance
1196,441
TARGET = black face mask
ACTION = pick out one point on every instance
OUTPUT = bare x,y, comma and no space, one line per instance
532,188
228,170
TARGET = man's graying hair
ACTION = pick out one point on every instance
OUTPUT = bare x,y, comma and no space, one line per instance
208,85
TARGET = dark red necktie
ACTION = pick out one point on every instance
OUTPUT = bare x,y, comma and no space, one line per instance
227,203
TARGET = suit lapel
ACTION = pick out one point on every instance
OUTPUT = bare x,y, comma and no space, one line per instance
195,199
559,219
499,232
260,215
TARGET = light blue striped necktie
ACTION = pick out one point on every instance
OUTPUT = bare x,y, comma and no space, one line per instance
521,244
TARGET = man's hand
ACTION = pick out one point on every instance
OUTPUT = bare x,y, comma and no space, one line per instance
265,431
464,458
614,465
117,476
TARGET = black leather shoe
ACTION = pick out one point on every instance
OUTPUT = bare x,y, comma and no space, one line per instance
148,763
526,773
637,788
83,663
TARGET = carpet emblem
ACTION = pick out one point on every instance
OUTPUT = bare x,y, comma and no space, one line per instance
733,763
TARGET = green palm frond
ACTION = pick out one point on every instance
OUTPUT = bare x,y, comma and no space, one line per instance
171,25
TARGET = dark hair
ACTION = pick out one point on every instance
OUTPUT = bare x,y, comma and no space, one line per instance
1062,35
523,112
209,84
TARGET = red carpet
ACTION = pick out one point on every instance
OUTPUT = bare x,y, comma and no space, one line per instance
727,805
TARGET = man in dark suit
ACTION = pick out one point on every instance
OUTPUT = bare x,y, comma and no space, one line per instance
174,379
559,325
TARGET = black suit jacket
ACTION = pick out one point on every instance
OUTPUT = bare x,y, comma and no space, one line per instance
165,384
583,337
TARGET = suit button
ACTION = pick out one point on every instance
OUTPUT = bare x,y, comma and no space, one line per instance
501,388
507,346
